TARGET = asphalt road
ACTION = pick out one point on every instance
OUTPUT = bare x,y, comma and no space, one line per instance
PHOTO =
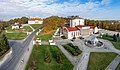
19,48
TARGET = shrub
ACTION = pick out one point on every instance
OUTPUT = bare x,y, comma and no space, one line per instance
59,57
72,50
47,57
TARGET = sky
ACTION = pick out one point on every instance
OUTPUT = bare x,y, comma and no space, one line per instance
91,9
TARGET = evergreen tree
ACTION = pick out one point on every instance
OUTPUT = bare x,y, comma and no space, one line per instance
4,46
115,38
118,35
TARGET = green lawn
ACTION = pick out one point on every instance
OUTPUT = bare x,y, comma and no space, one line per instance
35,26
27,28
9,29
99,61
118,67
73,50
37,59
16,36
110,38
45,37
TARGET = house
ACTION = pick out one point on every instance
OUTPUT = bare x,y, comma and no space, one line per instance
35,21
16,26
76,28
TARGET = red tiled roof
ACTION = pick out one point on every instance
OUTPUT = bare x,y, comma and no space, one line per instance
80,26
33,19
77,27
72,29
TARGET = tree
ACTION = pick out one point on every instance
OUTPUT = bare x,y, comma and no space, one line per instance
4,46
52,23
115,38
23,20
118,35
47,58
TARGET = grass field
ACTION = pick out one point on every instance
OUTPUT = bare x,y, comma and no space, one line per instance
35,26
99,61
110,38
16,36
9,29
45,37
27,28
37,62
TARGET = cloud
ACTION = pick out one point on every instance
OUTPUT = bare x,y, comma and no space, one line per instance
105,2
43,8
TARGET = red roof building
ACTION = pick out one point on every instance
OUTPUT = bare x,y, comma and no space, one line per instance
77,29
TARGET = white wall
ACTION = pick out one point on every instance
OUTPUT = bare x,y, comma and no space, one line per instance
82,21
35,22
95,30
73,33
31,22
76,22
69,35
87,27
15,27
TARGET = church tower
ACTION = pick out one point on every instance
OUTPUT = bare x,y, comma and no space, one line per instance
75,21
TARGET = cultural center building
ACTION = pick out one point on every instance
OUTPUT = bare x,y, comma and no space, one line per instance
77,28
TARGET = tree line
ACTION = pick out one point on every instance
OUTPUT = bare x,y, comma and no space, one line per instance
4,46
52,23
104,24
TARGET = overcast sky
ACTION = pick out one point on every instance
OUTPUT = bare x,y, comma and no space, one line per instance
92,9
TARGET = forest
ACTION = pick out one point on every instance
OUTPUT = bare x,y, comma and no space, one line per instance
104,24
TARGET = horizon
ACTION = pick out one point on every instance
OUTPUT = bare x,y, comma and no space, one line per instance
88,9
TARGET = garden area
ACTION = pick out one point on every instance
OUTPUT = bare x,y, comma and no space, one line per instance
9,29
45,37
16,36
35,26
46,57
115,40
27,29
99,61
73,50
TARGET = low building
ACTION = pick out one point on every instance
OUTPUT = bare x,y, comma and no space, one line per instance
35,21
16,26
76,28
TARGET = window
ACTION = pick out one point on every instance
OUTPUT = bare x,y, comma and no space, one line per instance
72,34
76,33
79,22
75,24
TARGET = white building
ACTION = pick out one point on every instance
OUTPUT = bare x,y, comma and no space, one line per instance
77,28
35,21
15,26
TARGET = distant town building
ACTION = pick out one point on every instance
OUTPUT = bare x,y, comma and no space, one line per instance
15,26
76,28
35,21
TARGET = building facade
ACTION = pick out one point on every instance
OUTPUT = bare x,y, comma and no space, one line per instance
76,28
15,26
35,21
